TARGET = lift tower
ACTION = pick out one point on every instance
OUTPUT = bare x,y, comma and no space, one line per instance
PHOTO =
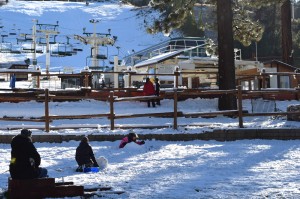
96,40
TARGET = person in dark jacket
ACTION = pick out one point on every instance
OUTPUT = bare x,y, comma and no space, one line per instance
149,90
25,160
131,137
84,155
157,90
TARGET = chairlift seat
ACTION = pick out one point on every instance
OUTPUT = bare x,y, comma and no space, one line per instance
77,49
101,56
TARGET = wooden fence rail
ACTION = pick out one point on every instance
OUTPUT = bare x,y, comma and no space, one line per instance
239,113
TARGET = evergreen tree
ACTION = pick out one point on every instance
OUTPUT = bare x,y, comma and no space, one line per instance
286,33
234,19
226,54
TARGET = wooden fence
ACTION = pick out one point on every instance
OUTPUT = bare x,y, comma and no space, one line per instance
239,113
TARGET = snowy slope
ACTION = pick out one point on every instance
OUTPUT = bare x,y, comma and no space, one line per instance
72,17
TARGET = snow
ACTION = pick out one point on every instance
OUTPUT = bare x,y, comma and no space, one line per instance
158,169
193,169
72,17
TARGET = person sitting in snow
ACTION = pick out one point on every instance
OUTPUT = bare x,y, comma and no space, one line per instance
84,155
25,160
131,137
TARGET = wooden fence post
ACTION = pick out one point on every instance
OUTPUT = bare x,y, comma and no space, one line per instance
86,80
240,106
47,120
112,114
175,108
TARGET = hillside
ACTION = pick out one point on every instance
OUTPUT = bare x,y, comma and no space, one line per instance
71,17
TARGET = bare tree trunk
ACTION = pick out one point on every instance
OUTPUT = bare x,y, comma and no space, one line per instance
286,33
226,54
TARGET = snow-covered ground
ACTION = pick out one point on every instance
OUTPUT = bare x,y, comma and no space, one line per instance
162,169
175,170
158,169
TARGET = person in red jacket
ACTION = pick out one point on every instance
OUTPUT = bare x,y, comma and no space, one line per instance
131,137
149,90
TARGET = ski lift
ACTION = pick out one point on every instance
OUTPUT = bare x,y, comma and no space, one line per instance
23,37
101,56
77,49
31,50
15,51
13,31
103,53
5,47
3,34
111,60
63,50
42,41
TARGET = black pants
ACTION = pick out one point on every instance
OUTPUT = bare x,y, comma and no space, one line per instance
152,101
158,100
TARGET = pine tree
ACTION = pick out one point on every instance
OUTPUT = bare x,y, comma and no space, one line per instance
234,20
226,54
286,33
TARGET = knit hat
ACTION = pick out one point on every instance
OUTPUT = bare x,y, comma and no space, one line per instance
85,139
26,132
132,134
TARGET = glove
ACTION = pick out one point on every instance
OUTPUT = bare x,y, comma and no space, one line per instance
143,142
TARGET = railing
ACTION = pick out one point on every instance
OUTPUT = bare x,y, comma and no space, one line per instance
168,46
112,116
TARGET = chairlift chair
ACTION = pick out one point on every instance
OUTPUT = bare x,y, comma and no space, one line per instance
12,32
77,49
111,60
3,34
63,50
5,47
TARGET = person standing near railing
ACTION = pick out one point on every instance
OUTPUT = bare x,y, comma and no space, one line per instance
157,90
149,90
12,81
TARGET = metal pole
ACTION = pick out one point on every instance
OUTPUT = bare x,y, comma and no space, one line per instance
34,61
47,120
47,55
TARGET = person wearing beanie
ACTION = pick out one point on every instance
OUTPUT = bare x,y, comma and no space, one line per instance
84,155
131,137
25,160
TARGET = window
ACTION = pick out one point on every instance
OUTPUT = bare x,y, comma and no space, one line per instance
284,82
